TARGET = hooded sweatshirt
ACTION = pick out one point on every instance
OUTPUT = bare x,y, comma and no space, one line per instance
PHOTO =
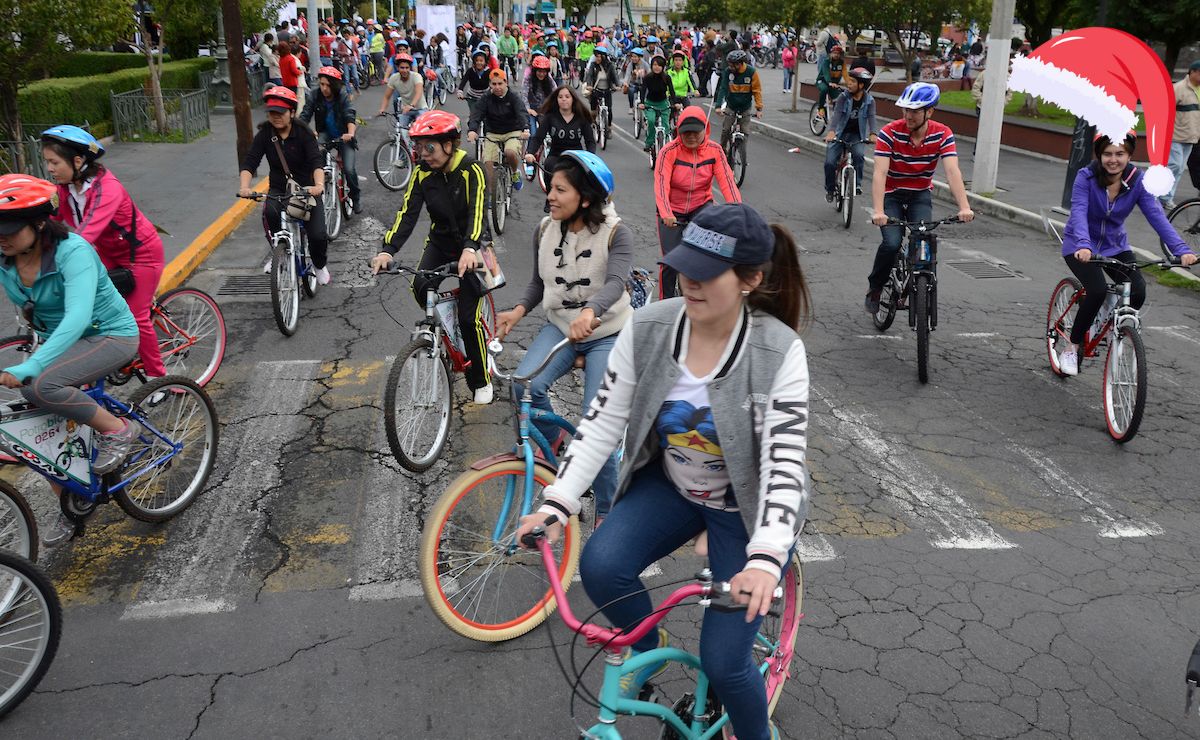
683,180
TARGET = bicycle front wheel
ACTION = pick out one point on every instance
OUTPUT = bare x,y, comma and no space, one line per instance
159,482
921,292
18,525
848,185
191,333
816,121
333,213
285,289
1124,384
480,586
13,351
601,134
392,164
416,405
739,157
1060,319
30,628
500,186
889,299
775,643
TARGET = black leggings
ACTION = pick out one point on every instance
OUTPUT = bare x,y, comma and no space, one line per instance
1095,287
470,320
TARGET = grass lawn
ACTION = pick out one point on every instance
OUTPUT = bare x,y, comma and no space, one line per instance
1050,113
1166,277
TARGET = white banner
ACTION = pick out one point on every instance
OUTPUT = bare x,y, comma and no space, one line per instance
435,19
286,13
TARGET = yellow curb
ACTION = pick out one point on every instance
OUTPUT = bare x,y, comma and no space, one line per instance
194,254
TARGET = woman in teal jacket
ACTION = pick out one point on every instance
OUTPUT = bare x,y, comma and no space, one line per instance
85,326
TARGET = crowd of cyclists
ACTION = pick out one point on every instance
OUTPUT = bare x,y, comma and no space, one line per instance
707,388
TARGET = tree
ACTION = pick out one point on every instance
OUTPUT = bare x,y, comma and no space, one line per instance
787,13
701,13
1176,24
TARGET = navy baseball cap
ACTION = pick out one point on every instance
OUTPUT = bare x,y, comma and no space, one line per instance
720,237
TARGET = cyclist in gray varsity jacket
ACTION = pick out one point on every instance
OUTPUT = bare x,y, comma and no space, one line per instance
584,253
710,392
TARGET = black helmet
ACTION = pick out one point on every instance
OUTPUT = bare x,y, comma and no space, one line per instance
737,56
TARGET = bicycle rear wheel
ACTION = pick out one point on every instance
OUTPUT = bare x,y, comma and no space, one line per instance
392,164
158,482
416,405
1060,318
191,333
30,628
816,122
18,524
1124,383
480,587
848,186
775,643
285,289
921,308
329,199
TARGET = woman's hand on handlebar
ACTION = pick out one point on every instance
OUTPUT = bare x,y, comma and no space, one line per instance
245,193
468,260
754,588
8,380
381,261
583,325
1083,255
1187,260
506,321
671,221
531,521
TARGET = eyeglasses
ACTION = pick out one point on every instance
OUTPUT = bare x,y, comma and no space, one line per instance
427,147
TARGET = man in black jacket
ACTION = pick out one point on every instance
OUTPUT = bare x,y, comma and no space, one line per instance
334,118
503,112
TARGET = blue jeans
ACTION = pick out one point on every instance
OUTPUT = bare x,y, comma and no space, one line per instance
653,521
833,153
349,165
903,205
787,79
596,352
1177,164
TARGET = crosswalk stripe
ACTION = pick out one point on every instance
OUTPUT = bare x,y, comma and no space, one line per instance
195,570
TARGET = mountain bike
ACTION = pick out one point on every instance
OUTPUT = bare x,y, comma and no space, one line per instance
816,120
697,714
913,283
291,267
336,200
393,160
845,185
30,628
735,149
418,394
1118,327
476,578
660,138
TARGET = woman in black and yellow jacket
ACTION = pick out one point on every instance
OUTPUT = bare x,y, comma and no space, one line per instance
451,185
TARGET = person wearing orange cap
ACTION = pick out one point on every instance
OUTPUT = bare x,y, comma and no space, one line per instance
507,126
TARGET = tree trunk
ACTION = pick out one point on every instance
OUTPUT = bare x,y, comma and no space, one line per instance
1030,107
1171,57
154,85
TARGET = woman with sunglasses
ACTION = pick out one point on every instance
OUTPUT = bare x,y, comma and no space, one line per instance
85,327
584,254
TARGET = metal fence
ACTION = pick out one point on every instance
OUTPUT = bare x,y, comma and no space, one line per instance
26,156
133,113
256,77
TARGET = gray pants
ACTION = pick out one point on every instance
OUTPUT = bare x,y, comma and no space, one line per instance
86,361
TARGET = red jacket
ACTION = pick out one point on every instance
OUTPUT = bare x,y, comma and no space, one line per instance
108,207
683,177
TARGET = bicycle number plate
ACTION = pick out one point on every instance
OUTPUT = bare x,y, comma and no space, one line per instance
447,312
51,443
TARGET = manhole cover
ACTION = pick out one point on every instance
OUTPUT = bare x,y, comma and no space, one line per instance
235,285
982,270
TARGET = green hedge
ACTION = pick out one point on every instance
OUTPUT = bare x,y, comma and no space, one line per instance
89,63
79,99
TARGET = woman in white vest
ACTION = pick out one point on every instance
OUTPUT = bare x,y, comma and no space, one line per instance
584,254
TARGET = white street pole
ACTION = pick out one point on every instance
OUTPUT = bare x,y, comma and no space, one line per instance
991,113
314,48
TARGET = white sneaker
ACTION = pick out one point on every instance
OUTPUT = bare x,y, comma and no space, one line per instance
1068,362
484,395
111,449
62,530
323,276
267,266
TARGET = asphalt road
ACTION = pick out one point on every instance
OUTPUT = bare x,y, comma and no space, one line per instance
981,559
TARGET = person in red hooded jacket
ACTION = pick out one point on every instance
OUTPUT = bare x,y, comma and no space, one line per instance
96,206
683,181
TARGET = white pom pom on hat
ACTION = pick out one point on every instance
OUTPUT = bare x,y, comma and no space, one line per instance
1100,74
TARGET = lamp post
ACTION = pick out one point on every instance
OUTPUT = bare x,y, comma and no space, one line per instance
222,87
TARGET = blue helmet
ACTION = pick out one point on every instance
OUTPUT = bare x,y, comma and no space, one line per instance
652,40
75,138
919,95
639,51
551,44
537,53
595,167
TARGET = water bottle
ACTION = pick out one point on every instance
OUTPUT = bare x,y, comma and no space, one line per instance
1105,311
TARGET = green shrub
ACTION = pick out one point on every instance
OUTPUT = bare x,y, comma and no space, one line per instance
79,99
89,63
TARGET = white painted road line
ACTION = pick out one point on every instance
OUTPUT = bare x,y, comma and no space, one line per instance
815,548
879,336
208,545
1176,332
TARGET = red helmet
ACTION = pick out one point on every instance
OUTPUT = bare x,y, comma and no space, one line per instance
24,198
280,97
436,124
587,34
332,73
430,74
540,63
404,58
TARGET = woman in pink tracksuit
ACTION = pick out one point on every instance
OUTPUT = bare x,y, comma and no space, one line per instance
96,206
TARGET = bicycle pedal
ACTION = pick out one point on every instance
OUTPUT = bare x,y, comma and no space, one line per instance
647,692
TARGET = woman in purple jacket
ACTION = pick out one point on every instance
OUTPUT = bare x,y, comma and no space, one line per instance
1103,196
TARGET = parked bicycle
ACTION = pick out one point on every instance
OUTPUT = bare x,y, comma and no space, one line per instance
845,186
292,269
336,200
418,395
913,284
735,150
476,578
697,714
30,628
393,161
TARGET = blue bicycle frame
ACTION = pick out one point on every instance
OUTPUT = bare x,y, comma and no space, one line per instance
527,433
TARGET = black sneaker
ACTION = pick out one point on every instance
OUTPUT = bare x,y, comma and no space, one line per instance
829,196
871,302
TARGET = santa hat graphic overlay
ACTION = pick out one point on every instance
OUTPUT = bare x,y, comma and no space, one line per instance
1099,74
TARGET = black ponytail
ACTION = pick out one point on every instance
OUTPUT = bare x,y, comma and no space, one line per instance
783,292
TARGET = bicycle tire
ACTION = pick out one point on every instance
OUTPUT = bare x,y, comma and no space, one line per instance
406,422
441,96
329,201
522,570
500,185
921,309
639,124
18,523
1060,318
345,205
183,413
816,122
1185,217
1123,423
848,186
601,136
889,298
285,290
196,316
739,151
392,164
33,607
787,626
305,270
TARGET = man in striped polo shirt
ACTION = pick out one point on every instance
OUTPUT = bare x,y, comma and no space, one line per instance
906,154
